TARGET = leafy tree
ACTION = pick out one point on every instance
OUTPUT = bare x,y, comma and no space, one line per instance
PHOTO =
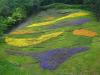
13,11
96,9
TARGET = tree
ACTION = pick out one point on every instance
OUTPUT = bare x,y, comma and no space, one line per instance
14,11
96,9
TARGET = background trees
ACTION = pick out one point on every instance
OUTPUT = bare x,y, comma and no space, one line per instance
94,5
15,11
96,9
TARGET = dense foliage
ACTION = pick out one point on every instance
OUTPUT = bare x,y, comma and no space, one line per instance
96,9
13,12
45,2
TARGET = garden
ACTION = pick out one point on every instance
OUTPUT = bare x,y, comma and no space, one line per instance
58,39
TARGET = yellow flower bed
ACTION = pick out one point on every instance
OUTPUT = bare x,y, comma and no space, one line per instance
42,24
18,42
60,19
30,41
22,32
84,32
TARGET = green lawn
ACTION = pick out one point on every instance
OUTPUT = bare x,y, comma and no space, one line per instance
86,63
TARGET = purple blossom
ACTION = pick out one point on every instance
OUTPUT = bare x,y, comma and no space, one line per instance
75,22
52,59
81,21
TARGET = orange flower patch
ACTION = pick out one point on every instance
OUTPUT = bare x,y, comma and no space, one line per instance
84,32
22,32
50,17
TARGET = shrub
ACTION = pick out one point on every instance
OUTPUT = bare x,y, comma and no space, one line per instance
19,14
10,21
15,11
3,25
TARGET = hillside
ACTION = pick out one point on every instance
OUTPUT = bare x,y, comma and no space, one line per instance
56,41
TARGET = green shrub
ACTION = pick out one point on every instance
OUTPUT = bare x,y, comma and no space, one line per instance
10,20
19,14
7,22
3,25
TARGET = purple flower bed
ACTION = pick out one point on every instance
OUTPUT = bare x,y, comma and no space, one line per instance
52,59
81,21
75,22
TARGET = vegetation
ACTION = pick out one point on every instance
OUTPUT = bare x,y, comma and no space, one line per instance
13,12
56,37
96,9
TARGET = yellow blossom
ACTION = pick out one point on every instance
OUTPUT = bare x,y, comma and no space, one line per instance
21,42
22,32
77,14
